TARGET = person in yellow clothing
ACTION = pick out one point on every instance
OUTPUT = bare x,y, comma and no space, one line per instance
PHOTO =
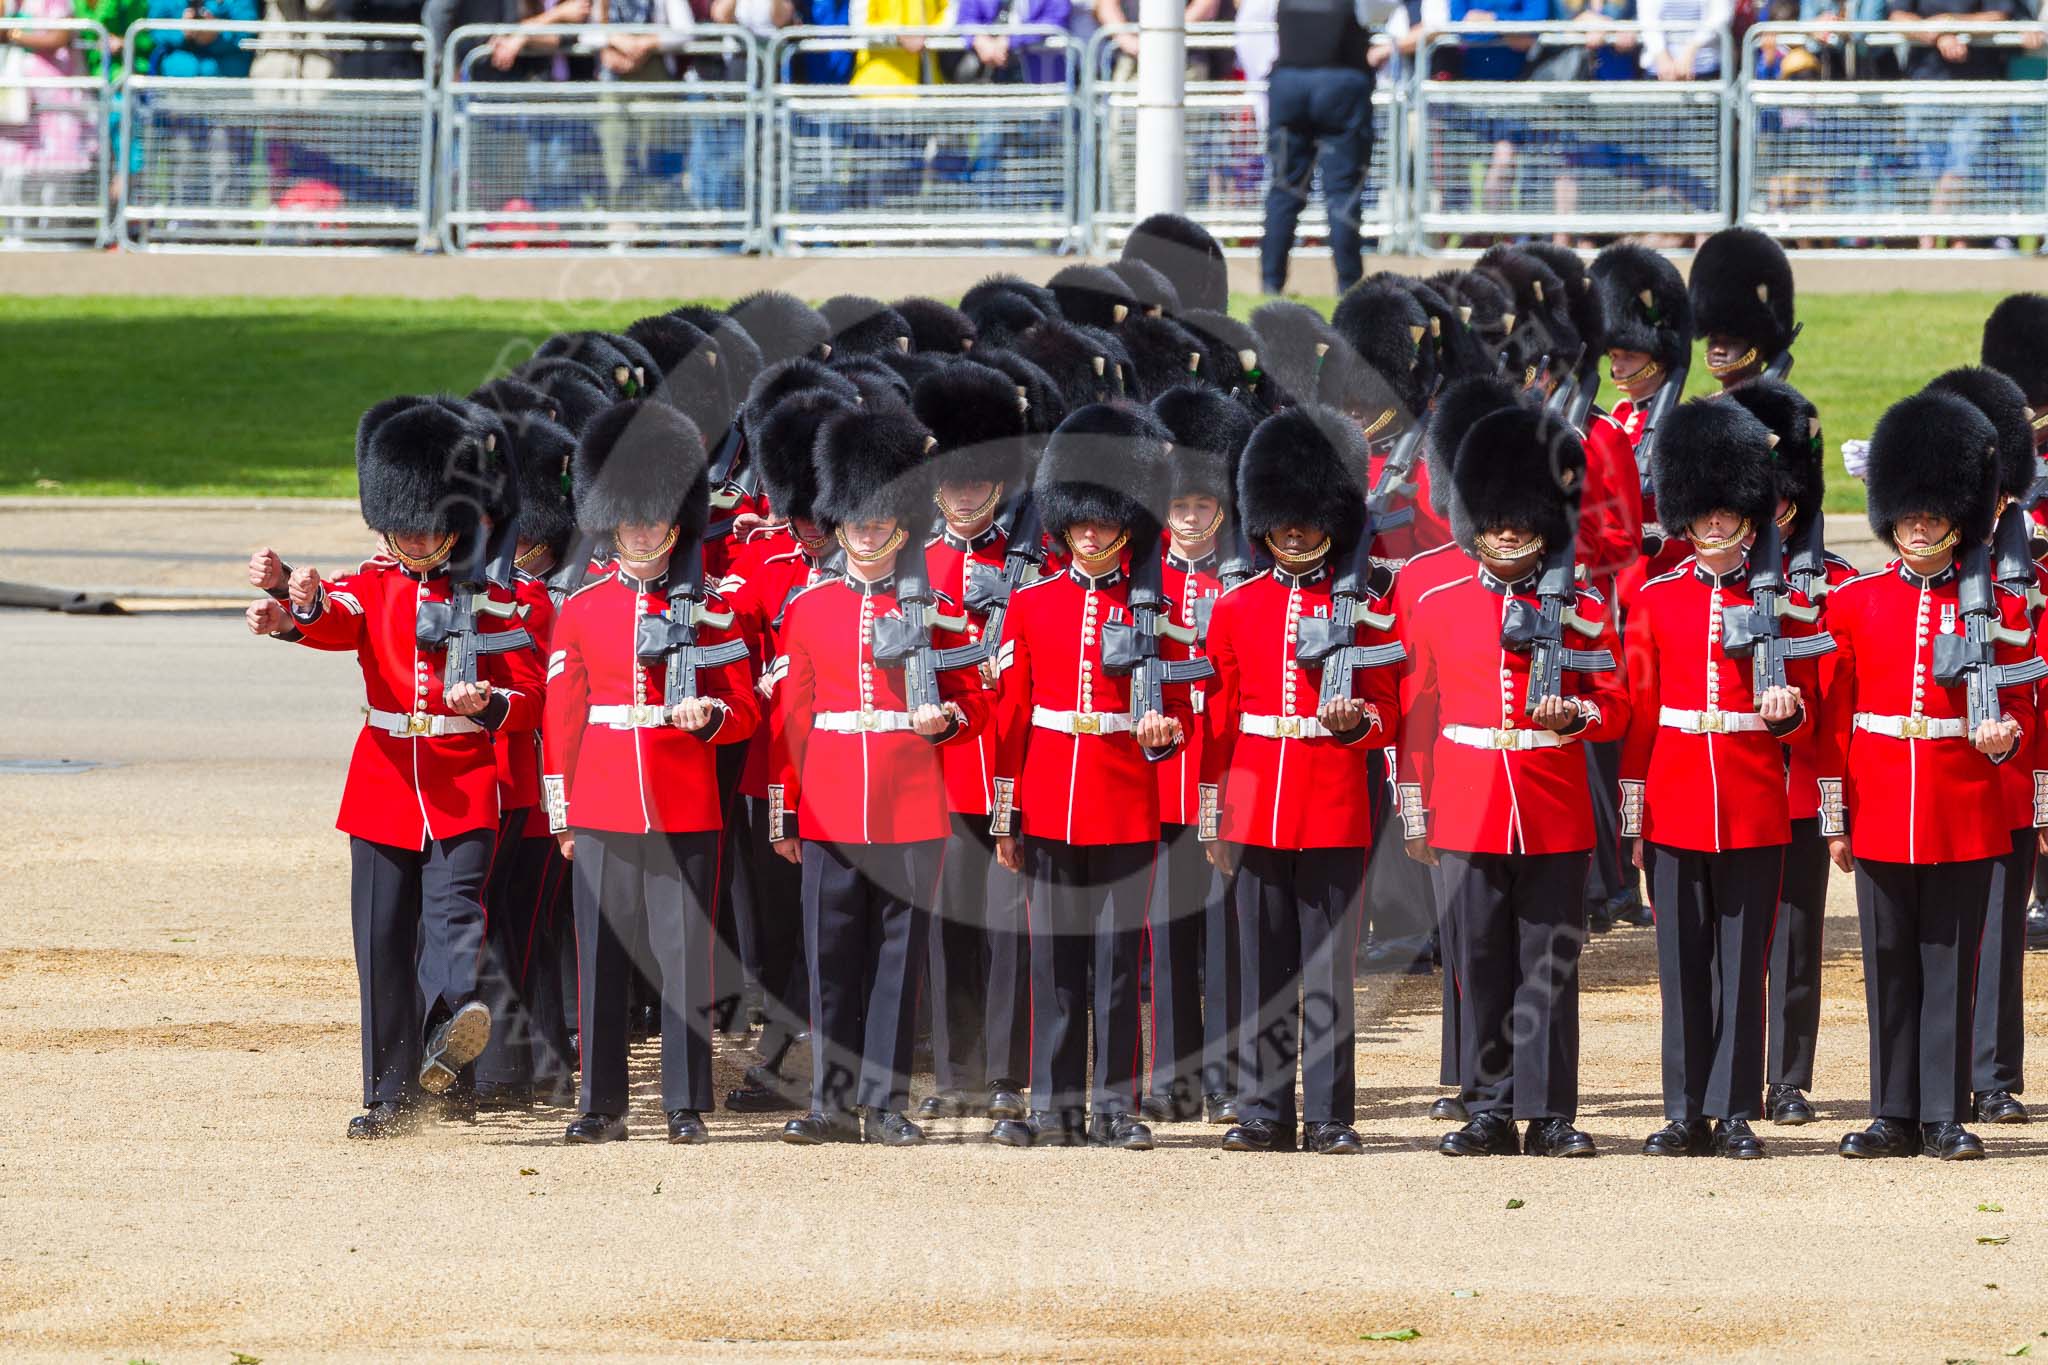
904,60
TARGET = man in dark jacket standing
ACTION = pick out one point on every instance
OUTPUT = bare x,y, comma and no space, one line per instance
1319,100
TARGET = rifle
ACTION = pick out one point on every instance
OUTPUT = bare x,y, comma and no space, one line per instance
1572,401
1539,631
1396,479
1971,657
988,589
903,638
2012,543
672,636
1236,565
483,561
1753,631
1133,646
1781,364
1327,641
1665,399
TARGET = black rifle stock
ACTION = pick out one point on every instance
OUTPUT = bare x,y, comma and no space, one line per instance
1755,632
1132,646
672,637
1971,657
1327,642
1661,404
903,638
1781,364
988,590
482,562
1538,631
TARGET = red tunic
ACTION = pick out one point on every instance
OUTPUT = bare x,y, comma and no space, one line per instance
403,790
1187,583
1706,791
857,786
1288,791
767,576
1802,790
628,780
1910,800
518,751
970,767
1611,503
1487,800
1072,788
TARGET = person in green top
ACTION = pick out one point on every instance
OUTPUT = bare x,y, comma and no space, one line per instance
114,16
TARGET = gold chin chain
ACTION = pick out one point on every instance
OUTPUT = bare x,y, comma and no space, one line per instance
889,546
668,543
1715,546
1379,423
968,517
432,559
539,550
1735,366
1790,515
813,548
1115,548
1294,563
1491,549
1649,370
1214,527
1942,546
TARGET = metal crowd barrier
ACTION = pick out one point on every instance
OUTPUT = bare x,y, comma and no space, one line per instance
1581,155
1832,161
53,144
665,160
1227,171
881,165
219,159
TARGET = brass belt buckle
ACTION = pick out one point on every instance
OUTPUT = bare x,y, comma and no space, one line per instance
1913,727
419,723
1290,727
1503,739
1087,722
1713,722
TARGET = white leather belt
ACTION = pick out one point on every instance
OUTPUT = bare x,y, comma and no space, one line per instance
1081,722
1913,727
1479,737
1282,727
855,722
1709,722
418,724
646,716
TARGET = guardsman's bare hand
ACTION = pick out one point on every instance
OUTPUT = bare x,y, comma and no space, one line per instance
266,570
1556,713
268,617
790,849
466,699
929,720
1222,856
1421,852
694,713
305,588
1342,716
566,841
1838,850
1157,732
1008,854
1995,738
1778,703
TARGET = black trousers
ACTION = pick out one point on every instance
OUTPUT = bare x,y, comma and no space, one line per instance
1316,113
1520,924
1400,898
1174,921
1087,908
1222,988
979,972
1298,915
1794,1021
418,921
1921,923
1609,874
523,931
1449,1050
775,898
1714,917
864,939
645,897
731,913
2000,1033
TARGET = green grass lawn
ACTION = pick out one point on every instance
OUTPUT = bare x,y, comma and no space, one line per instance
260,396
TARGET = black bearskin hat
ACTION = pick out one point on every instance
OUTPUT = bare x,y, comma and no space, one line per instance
541,452
687,362
622,365
429,465
1644,303
1164,354
574,388
642,463
1077,361
1798,461
1231,354
1092,295
864,326
1999,399
514,399
936,326
1458,408
1379,371
785,442
1153,291
1451,350
780,380
783,326
739,358
1935,454
1107,462
1184,252
1485,305
1004,307
878,381
1517,467
2016,344
1713,455
874,465
1305,466
1293,339
1044,408
1209,433
979,420
1582,302
1543,321
1742,287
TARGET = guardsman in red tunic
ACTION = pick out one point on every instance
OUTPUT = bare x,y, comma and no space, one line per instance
1077,801
1494,783
1792,1025
1191,941
1703,771
1742,304
1286,797
629,764
1998,1055
2016,345
859,797
421,804
765,578
1907,786
980,983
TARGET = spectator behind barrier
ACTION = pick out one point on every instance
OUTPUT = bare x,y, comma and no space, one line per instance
292,61
56,141
1949,142
202,54
115,16
997,60
824,68
1203,64
904,59
1682,38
